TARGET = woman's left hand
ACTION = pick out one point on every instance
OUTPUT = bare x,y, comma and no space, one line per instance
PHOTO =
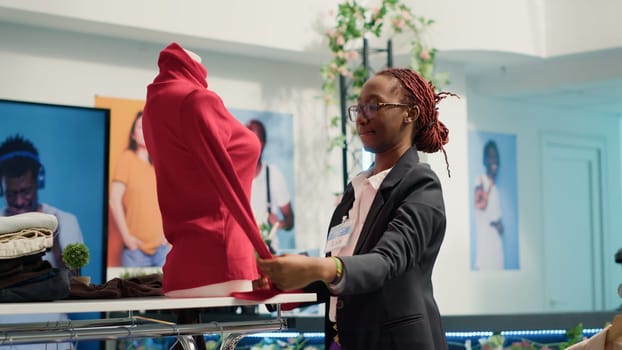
291,271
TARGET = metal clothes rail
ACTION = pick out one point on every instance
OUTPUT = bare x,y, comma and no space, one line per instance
136,326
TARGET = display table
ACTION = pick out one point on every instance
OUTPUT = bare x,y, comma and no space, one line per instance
136,326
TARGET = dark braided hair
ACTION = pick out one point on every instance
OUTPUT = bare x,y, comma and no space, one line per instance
430,134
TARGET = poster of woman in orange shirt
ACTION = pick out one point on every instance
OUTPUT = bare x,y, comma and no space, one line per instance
135,235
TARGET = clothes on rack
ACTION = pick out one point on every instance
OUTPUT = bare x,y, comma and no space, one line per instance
140,286
26,234
47,284
24,274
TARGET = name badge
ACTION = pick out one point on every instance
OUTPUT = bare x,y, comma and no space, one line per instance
338,236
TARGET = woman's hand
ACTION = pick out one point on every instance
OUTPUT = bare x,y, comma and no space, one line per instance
131,242
293,271
481,198
273,219
262,283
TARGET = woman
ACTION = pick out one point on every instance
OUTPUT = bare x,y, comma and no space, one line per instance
134,205
386,232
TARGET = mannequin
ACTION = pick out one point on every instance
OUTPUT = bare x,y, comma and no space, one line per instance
223,289
217,289
204,161
193,55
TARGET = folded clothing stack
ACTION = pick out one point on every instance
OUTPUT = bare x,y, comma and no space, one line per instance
24,275
26,234
138,286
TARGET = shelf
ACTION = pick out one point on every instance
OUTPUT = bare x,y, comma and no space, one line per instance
147,303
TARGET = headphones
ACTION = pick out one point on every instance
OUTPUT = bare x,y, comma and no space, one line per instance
25,154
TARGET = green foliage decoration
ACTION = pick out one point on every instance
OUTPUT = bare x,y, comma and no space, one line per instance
574,335
353,22
76,255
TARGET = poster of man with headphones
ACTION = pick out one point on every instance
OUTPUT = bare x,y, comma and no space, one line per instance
22,175
53,161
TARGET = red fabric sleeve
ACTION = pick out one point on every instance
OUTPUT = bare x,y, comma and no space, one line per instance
206,131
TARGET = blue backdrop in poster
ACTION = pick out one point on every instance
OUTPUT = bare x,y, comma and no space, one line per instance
279,151
506,182
72,143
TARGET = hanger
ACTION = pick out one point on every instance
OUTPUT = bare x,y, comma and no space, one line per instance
615,330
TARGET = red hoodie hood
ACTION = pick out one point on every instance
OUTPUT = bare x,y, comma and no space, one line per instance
175,63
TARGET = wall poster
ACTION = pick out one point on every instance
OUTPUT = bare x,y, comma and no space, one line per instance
278,156
493,201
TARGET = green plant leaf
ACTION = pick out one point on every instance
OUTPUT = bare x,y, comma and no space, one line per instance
75,255
354,21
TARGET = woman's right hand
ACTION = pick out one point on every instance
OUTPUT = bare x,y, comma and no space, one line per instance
294,271
131,242
481,198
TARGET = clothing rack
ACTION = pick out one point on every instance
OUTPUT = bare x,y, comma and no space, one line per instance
137,326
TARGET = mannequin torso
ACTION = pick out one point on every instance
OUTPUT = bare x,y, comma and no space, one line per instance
204,261
223,289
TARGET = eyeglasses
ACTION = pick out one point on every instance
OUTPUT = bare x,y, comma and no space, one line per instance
370,110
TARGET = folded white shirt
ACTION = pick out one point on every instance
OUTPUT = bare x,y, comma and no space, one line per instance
26,234
14,223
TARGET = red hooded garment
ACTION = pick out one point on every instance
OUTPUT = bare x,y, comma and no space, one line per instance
205,161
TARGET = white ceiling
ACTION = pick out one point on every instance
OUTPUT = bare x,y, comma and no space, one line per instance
590,81
600,97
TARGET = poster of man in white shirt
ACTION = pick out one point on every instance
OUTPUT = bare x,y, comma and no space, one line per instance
494,223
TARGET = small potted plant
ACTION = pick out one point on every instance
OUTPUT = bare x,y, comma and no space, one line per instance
75,256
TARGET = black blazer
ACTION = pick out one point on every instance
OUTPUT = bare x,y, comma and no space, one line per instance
388,301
